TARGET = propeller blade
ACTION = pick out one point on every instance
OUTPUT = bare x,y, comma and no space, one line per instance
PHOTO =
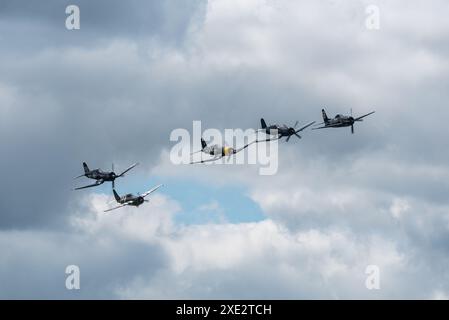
288,138
299,137
80,176
352,129
296,123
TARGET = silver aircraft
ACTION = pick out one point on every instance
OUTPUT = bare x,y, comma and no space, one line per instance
130,199
217,151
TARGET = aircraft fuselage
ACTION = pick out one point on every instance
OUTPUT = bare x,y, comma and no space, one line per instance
340,121
281,131
100,175
216,150
132,200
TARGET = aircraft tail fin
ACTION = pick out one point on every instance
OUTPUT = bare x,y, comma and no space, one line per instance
325,118
263,123
203,143
86,168
116,196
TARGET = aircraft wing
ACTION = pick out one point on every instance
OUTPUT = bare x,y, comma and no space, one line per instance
91,185
208,160
244,147
257,141
306,126
195,152
365,115
129,168
327,126
268,140
117,207
152,190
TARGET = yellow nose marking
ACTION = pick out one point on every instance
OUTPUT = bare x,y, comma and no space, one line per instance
227,151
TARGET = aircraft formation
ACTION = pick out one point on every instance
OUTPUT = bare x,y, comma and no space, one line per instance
273,131
276,132
101,176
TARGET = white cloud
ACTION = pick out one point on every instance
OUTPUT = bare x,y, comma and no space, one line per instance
145,224
399,207
339,202
210,260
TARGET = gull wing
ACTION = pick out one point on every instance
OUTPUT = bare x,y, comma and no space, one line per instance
129,168
97,183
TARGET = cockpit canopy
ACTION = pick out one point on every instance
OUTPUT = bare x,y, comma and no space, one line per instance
338,116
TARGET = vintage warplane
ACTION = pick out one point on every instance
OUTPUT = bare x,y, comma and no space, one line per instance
218,151
282,131
101,176
130,199
340,121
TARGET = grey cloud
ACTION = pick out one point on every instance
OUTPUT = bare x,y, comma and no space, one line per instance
167,20
64,104
34,263
135,71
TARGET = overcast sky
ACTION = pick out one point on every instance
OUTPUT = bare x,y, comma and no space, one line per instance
115,89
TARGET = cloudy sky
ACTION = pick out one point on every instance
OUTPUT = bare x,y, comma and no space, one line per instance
114,90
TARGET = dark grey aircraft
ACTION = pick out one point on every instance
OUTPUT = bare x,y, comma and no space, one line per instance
282,131
130,199
101,176
340,121
217,151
